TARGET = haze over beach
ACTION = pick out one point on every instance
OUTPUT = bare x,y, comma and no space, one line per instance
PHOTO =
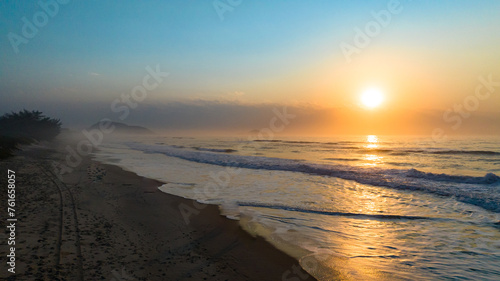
250,140
233,61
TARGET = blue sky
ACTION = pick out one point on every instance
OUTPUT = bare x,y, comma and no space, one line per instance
272,51
120,39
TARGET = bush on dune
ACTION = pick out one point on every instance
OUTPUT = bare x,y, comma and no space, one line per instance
25,127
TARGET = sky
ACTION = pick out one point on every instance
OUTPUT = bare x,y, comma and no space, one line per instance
230,63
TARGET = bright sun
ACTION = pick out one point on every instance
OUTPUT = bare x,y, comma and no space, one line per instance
372,97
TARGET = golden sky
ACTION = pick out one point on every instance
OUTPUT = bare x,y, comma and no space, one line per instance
318,57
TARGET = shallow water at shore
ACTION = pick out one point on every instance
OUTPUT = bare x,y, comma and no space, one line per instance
432,219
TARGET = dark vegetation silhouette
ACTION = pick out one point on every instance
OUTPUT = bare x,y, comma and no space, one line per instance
25,127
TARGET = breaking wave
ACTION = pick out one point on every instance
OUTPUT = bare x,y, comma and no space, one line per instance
480,191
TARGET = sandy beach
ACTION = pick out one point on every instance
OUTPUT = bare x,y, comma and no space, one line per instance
250,140
103,223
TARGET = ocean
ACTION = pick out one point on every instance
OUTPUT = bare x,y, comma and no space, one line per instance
354,207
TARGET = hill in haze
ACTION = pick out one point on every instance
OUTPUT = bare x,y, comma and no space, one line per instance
122,128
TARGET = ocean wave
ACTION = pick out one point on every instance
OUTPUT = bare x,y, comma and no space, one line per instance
489,178
268,141
345,142
450,152
309,142
375,150
400,153
330,213
223,150
284,141
346,147
444,152
360,147
342,159
480,191
467,152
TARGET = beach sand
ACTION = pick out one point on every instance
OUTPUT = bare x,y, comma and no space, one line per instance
103,223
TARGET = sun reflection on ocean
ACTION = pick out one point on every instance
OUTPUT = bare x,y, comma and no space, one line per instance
367,251
372,159
372,141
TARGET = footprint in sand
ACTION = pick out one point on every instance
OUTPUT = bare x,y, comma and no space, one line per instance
95,173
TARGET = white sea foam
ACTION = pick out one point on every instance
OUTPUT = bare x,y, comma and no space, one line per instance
366,215
480,191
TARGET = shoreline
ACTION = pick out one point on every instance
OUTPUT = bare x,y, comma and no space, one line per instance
121,225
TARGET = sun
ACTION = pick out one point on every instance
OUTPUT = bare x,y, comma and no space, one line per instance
372,97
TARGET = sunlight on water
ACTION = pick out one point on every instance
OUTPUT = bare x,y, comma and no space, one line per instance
372,160
362,228
372,141
371,248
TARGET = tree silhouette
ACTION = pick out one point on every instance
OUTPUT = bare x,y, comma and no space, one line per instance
25,127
